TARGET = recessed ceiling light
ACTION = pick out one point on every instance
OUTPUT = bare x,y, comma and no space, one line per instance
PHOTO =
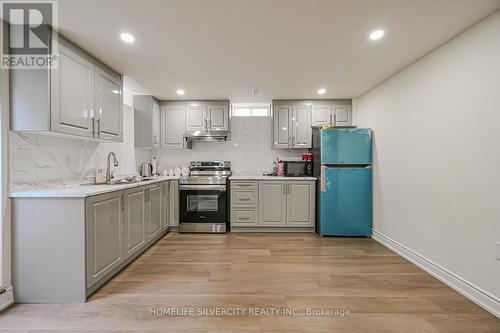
377,34
180,92
127,38
322,91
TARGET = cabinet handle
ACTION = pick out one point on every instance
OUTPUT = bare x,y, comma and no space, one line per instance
331,119
123,202
334,119
244,218
284,188
93,127
98,127
244,199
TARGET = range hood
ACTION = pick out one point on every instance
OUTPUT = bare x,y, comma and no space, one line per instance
206,136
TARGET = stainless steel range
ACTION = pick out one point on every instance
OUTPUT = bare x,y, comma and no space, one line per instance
203,197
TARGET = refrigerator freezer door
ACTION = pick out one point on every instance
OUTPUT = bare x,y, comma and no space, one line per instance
346,205
346,146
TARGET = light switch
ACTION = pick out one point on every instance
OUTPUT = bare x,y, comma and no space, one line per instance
497,250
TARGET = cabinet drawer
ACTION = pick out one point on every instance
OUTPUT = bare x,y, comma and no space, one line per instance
244,185
243,198
244,217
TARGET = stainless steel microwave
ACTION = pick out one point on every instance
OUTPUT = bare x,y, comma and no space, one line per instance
297,168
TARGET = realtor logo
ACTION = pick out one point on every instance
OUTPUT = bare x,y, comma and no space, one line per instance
29,39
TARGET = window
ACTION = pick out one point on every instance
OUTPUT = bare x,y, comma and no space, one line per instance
251,110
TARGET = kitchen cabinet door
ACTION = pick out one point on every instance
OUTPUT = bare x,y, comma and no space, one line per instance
282,115
196,117
300,204
174,203
108,106
154,199
272,203
172,126
321,114
166,205
104,217
343,115
218,117
302,133
72,94
134,220
156,125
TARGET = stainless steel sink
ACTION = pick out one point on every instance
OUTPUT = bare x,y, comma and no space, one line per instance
127,180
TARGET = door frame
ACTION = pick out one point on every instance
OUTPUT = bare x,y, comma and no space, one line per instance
6,296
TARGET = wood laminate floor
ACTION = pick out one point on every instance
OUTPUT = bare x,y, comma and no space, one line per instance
259,273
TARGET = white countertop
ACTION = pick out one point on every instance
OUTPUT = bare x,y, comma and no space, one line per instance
78,191
269,178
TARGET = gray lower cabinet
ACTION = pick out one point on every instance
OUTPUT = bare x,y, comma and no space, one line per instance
300,204
272,203
155,207
174,203
275,204
166,205
75,256
134,220
104,216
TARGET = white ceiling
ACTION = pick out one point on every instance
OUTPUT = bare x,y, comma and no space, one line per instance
288,48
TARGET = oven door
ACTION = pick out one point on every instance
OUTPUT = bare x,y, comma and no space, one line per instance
203,204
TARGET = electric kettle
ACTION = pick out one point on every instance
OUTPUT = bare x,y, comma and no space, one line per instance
146,169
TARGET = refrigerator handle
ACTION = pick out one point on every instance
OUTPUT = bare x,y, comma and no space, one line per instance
323,179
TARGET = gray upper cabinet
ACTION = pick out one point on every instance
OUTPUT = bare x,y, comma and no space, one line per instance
72,94
282,119
108,100
146,122
207,116
196,117
300,203
104,215
342,115
302,133
292,125
155,206
321,114
134,221
82,97
293,119
173,126
217,117
272,203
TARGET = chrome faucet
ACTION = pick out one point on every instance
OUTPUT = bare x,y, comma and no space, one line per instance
109,174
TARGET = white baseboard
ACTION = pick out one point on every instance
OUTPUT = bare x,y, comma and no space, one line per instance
6,299
464,287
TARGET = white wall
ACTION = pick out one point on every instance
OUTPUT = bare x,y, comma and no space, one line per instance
249,149
437,156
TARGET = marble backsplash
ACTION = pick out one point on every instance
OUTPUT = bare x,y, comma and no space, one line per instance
47,161
41,159
249,149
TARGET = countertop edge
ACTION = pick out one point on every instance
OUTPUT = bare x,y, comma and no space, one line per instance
271,178
81,192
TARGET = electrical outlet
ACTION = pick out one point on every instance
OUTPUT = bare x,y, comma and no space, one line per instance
497,250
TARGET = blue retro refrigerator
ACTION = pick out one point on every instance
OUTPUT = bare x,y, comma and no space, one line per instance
342,162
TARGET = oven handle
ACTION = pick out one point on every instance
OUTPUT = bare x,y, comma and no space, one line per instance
221,188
